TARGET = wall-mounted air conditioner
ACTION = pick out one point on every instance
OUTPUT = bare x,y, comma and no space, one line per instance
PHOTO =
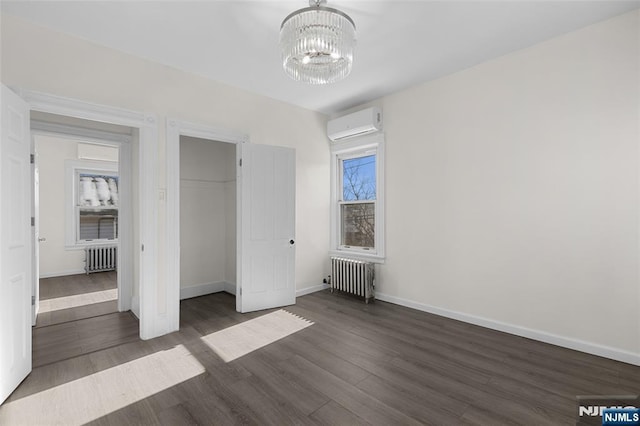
356,124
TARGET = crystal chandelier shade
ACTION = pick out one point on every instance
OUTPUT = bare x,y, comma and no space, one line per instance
317,44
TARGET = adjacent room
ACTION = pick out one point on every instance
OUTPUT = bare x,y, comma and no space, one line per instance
68,167
330,212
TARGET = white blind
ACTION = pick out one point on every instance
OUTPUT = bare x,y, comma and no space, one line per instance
98,226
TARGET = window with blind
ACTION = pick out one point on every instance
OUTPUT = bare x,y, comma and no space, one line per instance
97,207
91,203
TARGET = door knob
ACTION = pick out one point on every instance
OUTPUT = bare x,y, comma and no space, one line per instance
292,242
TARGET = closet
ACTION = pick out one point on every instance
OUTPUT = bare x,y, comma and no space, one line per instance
207,217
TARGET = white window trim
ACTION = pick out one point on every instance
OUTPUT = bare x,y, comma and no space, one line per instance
71,169
341,150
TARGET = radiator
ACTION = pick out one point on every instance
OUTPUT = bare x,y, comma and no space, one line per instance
100,259
352,276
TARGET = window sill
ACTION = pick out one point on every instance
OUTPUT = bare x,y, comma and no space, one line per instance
82,246
357,255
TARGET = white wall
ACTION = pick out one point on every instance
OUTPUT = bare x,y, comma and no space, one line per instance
512,191
53,152
39,59
207,174
55,260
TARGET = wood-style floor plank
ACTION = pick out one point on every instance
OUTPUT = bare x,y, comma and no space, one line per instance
75,297
70,339
70,285
356,365
333,413
76,313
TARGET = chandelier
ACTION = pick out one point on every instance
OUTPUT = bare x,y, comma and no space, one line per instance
317,44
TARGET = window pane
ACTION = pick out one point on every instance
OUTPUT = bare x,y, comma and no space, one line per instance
359,178
98,225
358,225
97,190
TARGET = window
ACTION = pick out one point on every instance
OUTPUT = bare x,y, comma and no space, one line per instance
358,204
357,209
92,203
97,207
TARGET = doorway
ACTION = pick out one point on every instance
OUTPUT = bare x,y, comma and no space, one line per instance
265,219
76,210
138,287
207,217
81,202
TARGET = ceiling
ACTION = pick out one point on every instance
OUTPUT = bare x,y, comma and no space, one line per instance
400,43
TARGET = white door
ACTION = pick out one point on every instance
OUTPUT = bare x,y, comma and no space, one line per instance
15,243
35,257
266,244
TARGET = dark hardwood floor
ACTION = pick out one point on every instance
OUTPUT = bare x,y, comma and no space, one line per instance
357,364
76,297
70,285
73,338
72,320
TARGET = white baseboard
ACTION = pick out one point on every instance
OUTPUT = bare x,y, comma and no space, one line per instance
230,288
62,273
554,339
311,289
206,288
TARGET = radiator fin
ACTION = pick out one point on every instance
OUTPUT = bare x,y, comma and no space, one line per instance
100,259
353,276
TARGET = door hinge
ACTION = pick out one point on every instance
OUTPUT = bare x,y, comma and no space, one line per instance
240,291
32,158
33,300
241,162
33,221
142,247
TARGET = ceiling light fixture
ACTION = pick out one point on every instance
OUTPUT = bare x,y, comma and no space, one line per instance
317,44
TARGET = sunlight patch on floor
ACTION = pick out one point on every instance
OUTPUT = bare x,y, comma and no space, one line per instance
241,339
67,302
99,394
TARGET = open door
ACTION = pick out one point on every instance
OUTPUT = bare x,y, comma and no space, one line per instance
266,243
35,249
15,243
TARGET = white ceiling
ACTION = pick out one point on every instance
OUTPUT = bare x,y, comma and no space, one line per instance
400,43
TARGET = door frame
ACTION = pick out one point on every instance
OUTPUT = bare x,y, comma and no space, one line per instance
150,313
175,129
35,229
